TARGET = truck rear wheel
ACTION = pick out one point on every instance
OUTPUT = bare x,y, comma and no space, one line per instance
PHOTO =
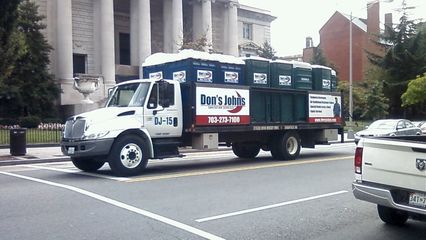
129,156
245,150
392,216
87,164
286,146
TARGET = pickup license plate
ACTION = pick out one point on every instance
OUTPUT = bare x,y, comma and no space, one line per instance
417,200
71,150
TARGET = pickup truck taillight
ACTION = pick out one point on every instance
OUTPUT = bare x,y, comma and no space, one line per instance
358,160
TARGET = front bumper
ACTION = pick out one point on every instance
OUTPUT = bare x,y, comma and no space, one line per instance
382,195
91,148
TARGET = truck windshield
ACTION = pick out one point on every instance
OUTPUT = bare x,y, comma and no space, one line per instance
129,95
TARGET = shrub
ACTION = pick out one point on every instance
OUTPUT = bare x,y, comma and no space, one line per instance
30,122
8,121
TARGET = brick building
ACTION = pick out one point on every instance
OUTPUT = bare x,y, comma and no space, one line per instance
334,42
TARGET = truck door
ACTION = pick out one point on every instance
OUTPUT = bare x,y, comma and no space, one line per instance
163,114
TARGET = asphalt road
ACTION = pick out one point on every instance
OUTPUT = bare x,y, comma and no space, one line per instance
211,195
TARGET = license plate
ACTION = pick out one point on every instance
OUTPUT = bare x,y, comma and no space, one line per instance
417,200
71,150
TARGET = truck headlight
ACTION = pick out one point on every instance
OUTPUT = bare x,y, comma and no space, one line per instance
95,135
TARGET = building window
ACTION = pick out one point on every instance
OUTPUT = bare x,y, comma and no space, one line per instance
79,63
124,41
248,31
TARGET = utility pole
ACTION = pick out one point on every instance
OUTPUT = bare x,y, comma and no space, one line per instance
350,130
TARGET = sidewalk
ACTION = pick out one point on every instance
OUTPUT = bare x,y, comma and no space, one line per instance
54,154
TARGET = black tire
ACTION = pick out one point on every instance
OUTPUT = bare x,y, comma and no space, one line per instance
245,150
392,216
128,156
87,164
286,146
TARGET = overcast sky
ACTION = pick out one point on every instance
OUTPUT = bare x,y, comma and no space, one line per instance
297,19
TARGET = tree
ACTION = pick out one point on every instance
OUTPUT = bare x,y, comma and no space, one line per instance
199,44
8,41
404,59
319,57
375,102
266,51
31,90
415,93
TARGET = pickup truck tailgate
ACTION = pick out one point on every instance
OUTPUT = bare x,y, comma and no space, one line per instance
394,163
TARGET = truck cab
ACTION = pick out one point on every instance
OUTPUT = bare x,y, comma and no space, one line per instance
142,119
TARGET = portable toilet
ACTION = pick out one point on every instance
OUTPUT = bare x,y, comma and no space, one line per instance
321,78
257,71
230,69
281,74
191,65
302,75
155,65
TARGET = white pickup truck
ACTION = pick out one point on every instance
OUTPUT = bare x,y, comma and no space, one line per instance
391,172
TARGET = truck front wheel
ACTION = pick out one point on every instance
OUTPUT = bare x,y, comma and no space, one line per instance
87,164
392,216
245,150
286,146
129,156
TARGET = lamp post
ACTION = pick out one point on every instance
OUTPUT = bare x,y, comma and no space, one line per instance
350,130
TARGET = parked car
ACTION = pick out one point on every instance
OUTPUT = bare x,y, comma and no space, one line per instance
388,127
421,125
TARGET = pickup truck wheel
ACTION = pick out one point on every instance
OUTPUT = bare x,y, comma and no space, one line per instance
129,156
392,216
286,146
87,164
245,150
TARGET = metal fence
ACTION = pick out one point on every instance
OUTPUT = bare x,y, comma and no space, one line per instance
33,136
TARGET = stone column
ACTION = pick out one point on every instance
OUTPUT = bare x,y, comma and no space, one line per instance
107,41
64,65
197,31
167,26
233,28
134,34
207,21
177,16
144,29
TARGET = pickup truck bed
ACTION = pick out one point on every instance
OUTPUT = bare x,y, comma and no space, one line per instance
391,172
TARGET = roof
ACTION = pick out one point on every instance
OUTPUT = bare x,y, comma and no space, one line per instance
359,22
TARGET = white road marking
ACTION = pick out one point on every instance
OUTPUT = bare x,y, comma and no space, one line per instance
268,207
121,179
119,204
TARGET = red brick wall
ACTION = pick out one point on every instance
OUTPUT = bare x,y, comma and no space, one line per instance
334,41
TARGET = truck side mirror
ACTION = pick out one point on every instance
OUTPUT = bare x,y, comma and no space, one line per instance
110,90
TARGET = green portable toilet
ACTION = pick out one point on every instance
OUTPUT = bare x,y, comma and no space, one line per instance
333,81
257,72
302,75
281,74
321,78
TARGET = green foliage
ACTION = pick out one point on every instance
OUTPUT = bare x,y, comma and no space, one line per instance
8,121
266,51
405,58
29,122
415,93
374,101
29,89
357,93
199,44
319,58
9,49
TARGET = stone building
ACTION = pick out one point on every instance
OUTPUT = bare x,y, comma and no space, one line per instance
110,39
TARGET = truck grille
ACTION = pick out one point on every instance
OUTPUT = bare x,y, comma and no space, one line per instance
74,128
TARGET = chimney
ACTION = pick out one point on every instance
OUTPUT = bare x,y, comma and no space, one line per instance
373,18
309,42
388,23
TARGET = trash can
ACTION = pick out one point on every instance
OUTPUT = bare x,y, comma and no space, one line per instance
18,141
